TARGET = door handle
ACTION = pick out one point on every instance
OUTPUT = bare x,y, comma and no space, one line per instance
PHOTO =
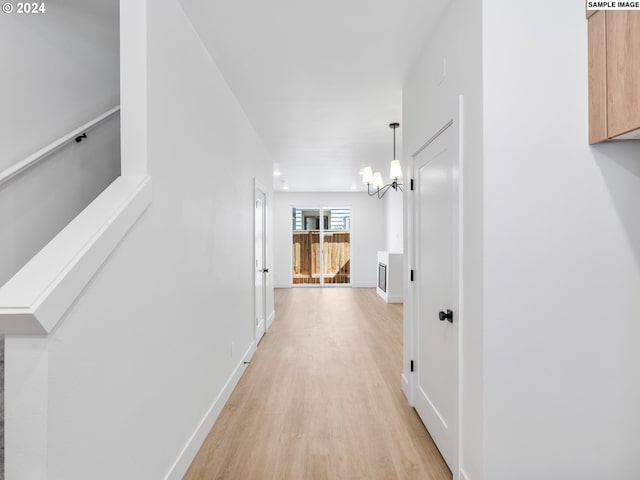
265,270
446,316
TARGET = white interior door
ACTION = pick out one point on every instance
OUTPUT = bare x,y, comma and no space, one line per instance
436,369
261,270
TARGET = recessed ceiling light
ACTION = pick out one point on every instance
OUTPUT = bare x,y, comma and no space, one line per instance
276,174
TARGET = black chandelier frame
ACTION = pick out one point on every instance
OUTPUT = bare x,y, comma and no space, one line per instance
381,191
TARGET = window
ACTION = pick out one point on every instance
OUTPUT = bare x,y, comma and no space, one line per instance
321,246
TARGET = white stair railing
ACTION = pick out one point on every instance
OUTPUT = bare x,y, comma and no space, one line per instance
43,153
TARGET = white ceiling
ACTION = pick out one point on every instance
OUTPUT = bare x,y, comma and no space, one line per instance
319,80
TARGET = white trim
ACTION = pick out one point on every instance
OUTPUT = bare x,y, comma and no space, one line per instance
364,285
258,185
35,299
259,192
188,453
270,319
290,259
53,147
433,137
408,354
406,386
433,408
395,299
463,475
461,269
282,285
133,87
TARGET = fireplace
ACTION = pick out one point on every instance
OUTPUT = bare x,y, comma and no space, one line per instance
382,277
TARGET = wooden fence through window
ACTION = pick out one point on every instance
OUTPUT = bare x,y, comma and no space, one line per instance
306,256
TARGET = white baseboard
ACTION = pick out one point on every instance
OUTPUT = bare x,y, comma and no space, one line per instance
463,476
188,453
406,387
395,300
363,285
270,319
282,285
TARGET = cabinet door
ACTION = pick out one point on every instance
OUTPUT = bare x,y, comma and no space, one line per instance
597,77
623,71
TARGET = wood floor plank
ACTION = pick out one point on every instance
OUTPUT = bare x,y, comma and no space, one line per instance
322,399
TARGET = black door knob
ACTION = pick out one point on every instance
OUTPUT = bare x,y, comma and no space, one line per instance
446,316
266,270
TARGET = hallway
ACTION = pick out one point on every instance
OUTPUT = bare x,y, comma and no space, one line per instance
322,398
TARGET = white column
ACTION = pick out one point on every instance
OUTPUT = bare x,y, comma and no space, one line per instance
133,87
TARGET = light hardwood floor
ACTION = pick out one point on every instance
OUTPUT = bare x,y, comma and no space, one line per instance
322,399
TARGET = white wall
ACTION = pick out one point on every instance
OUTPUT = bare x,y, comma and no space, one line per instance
368,232
60,70
394,220
145,351
562,259
428,104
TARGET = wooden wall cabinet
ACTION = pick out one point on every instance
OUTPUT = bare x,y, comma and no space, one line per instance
614,75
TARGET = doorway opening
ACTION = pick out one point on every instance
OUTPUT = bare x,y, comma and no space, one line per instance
321,246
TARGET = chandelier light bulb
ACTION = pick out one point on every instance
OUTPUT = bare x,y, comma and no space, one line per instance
396,170
377,180
367,176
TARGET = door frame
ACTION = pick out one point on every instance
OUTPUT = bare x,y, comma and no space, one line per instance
321,210
260,191
455,119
